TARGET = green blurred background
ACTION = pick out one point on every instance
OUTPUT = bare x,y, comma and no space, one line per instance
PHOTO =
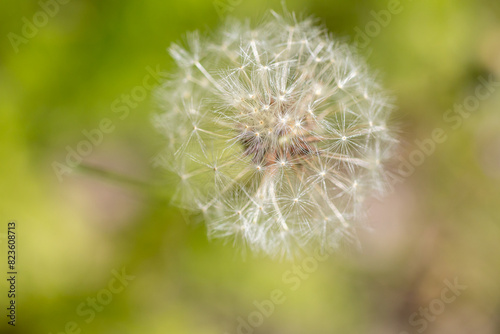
440,224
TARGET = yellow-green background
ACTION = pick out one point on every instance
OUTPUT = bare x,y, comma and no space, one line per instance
440,223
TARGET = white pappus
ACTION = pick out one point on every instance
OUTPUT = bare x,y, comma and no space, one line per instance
277,134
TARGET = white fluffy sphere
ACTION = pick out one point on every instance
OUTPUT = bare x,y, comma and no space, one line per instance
277,134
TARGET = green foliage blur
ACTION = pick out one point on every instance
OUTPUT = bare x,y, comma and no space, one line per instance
78,231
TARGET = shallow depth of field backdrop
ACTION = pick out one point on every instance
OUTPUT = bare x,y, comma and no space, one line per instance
440,226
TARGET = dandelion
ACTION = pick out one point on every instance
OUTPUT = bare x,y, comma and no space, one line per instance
277,133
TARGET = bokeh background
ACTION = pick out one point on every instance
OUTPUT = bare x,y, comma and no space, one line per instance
438,225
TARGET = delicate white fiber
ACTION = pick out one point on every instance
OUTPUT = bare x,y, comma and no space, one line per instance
277,134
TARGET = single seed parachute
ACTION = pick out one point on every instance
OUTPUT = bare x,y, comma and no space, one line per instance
277,134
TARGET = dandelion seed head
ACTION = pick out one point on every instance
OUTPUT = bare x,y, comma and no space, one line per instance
278,133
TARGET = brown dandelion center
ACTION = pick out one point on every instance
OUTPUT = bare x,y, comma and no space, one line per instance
269,139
